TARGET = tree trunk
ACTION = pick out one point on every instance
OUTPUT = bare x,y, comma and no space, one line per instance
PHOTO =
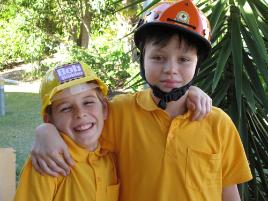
85,28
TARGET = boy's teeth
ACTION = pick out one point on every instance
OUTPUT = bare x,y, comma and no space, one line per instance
83,127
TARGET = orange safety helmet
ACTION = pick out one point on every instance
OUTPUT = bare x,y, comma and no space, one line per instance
181,15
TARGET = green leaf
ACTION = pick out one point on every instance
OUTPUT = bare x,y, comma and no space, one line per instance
220,28
215,15
243,131
252,25
221,93
259,165
130,5
262,126
241,2
236,53
233,110
256,82
221,61
264,28
205,81
256,53
131,80
261,7
149,6
247,91
204,5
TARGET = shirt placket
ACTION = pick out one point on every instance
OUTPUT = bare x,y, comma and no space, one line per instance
171,142
96,166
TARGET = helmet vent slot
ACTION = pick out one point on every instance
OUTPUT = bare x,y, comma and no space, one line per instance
189,25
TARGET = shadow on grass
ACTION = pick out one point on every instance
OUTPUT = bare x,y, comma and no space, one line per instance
18,125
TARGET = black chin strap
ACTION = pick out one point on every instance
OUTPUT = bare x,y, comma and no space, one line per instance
173,95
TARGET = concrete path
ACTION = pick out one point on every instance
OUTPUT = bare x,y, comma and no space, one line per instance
15,75
27,87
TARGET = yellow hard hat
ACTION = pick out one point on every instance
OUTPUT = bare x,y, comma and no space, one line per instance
66,76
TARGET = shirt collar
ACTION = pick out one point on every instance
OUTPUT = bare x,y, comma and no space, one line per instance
145,100
80,154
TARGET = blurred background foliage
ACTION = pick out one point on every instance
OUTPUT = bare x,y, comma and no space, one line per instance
32,31
99,33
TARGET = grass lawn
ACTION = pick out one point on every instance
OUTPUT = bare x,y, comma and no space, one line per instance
17,126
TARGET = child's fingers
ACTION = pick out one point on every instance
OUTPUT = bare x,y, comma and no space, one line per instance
37,166
190,105
59,164
206,105
56,166
202,108
67,157
196,115
209,105
44,167
197,111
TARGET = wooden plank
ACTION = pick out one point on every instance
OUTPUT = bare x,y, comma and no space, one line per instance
7,174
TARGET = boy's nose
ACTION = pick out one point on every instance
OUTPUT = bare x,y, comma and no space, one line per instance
80,113
171,67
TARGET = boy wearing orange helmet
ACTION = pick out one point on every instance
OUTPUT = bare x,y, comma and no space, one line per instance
162,154
173,40
73,99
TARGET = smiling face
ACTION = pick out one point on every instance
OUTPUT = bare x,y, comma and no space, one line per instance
80,114
170,66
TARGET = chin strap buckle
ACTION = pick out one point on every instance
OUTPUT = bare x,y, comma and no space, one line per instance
162,104
174,95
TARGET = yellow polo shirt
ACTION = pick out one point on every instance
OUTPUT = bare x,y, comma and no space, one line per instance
93,178
164,159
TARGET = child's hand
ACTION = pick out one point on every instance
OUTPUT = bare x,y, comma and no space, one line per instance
49,152
199,102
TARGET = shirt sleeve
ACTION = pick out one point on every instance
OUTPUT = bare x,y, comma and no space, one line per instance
33,186
113,124
235,166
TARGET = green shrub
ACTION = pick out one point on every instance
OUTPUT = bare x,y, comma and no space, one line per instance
112,64
21,40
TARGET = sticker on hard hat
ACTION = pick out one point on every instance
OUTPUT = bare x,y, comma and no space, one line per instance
182,16
70,72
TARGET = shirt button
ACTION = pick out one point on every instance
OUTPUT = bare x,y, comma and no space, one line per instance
171,137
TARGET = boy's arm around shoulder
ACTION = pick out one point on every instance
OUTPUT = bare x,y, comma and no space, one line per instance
33,186
49,152
119,105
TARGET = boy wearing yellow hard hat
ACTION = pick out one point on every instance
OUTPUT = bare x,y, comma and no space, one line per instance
73,100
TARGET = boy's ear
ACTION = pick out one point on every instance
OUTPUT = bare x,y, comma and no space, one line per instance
105,108
46,118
